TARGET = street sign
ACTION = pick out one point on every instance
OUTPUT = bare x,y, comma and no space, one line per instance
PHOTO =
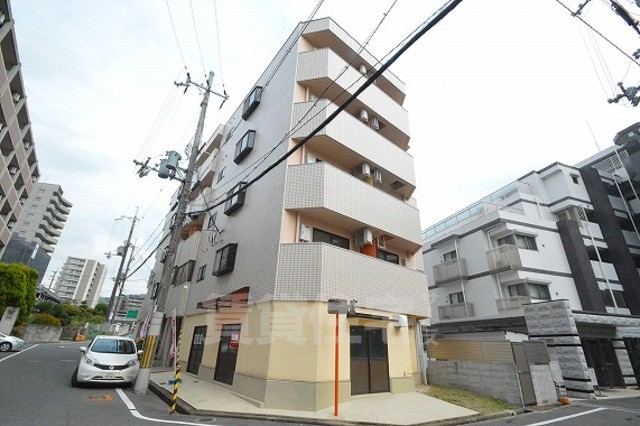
338,306
132,314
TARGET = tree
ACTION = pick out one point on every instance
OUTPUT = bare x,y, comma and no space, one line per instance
101,309
45,319
18,288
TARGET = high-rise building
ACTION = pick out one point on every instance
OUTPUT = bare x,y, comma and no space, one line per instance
334,221
80,280
18,162
553,256
43,216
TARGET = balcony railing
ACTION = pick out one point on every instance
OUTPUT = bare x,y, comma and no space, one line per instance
505,257
458,310
512,303
451,270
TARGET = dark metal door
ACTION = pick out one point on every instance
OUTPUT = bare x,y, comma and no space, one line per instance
601,356
197,349
522,364
369,360
633,349
227,353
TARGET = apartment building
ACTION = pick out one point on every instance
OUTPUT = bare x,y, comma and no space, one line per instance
129,308
80,280
44,216
18,161
553,256
335,220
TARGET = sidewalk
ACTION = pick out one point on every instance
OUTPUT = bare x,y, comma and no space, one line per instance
208,398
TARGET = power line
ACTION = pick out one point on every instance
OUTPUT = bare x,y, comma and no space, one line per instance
195,29
175,34
424,27
215,14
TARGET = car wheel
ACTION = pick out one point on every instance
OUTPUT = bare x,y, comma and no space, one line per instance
5,347
74,379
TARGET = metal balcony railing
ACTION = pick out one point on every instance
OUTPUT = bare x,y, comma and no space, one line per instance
451,270
505,257
458,310
512,303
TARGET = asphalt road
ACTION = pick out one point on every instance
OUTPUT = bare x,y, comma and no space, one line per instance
35,389
612,412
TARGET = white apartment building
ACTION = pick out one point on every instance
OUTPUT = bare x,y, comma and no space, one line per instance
18,162
553,256
336,220
80,280
44,216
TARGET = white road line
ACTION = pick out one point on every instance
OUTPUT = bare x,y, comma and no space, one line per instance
134,412
559,419
18,353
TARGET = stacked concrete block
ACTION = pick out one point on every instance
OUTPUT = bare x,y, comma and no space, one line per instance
543,385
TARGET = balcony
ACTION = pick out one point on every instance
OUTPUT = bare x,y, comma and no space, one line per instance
458,310
320,271
512,303
345,201
348,139
320,69
504,258
450,271
208,149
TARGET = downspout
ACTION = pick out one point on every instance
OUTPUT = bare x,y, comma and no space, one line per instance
464,295
420,353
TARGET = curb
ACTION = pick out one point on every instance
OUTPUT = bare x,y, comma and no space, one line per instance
184,408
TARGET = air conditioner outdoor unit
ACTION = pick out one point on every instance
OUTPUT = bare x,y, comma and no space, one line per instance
363,237
375,123
364,115
377,175
305,233
382,241
362,171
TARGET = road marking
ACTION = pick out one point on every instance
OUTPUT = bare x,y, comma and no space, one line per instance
134,412
559,419
106,397
18,353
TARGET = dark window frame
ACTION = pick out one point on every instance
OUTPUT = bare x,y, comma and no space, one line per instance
225,260
201,273
251,102
244,146
387,256
234,203
327,237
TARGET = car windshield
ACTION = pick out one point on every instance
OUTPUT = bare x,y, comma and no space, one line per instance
113,346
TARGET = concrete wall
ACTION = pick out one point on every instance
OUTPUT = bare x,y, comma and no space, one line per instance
33,333
498,380
543,384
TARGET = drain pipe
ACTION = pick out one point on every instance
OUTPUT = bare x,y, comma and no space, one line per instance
420,353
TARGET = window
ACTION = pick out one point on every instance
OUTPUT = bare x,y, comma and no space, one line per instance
201,272
326,237
517,290
237,201
618,295
212,220
575,179
525,242
534,291
244,146
450,255
183,273
389,257
220,175
251,102
455,298
225,259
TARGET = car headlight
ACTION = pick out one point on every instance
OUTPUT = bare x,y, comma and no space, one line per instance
132,362
90,360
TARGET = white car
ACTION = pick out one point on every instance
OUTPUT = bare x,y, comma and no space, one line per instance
10,343
108,359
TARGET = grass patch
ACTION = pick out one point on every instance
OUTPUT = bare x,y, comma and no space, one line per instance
473,401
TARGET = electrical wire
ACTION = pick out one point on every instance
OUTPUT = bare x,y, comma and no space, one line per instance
175,34
147,258
195,29
215,14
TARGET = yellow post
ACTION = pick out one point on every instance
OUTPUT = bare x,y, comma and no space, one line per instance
176,378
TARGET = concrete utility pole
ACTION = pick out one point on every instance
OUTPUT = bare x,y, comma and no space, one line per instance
124,279
116,284
142,382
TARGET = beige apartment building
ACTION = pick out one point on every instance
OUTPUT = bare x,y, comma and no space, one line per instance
18,161
80,280
336,220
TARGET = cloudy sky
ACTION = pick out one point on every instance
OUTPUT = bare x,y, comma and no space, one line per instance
497,89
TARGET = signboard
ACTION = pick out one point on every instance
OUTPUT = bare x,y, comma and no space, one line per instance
172,352
338,306
132,314
235,338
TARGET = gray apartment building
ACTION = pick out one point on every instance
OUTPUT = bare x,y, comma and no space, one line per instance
80,280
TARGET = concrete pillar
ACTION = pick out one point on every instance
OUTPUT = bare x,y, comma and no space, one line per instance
142,382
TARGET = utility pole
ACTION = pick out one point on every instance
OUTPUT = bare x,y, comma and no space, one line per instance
119,276
142,382
124,279
53,277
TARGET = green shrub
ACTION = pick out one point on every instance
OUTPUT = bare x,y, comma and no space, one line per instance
45,319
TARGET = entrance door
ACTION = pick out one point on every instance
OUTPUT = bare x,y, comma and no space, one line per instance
633,349
602,358
524,372
227,354
197,348
369,360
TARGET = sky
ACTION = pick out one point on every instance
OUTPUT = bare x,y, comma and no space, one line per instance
497,89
